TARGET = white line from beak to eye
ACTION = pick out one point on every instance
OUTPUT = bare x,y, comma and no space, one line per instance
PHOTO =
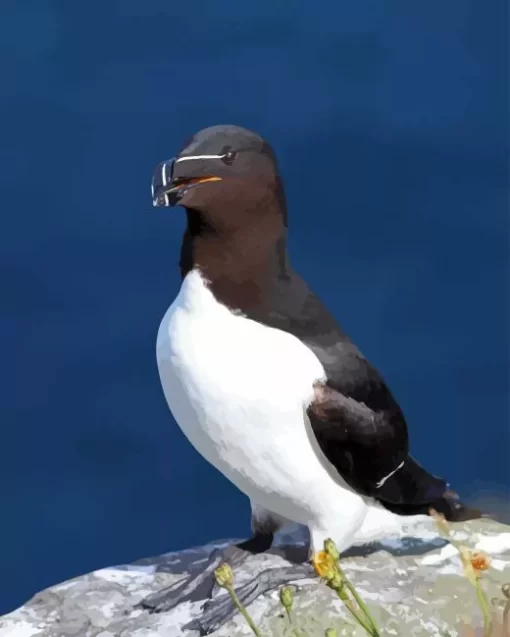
199,157
163,174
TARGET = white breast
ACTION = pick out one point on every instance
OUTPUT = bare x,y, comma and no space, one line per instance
239,391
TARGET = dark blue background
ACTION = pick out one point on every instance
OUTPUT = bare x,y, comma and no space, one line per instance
389,119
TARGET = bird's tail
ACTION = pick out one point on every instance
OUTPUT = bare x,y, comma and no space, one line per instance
414,491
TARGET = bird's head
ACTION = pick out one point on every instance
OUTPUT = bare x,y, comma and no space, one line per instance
226,174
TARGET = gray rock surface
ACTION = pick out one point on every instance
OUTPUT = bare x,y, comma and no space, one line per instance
413,585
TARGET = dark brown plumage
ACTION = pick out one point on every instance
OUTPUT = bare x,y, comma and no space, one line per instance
227,179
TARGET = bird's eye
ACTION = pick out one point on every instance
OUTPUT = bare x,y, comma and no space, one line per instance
228,157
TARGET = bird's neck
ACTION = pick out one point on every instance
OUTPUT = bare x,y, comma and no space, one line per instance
242,265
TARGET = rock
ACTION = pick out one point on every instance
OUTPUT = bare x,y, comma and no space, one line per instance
414,586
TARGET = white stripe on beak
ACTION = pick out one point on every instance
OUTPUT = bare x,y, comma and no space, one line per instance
199,157
163,173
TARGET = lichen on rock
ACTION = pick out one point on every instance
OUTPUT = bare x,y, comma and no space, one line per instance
414,586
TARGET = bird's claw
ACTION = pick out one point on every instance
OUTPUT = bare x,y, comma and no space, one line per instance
219,609
192,588
169,597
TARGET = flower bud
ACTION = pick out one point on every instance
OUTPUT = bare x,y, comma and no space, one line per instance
480,561
286,597
224,575
330,548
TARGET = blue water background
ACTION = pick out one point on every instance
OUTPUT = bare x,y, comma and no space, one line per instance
390,122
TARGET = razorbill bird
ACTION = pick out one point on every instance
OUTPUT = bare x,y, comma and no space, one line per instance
262,380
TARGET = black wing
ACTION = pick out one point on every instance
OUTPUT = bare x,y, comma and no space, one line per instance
362,431
358,424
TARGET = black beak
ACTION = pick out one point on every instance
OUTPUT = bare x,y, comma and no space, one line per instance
168,190
161,187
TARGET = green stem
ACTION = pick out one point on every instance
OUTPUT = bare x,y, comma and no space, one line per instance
487,623
360,620
242,610
291,623
364,608
506,615
360,602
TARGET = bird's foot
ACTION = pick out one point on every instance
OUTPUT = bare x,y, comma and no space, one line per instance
195,587
219,610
